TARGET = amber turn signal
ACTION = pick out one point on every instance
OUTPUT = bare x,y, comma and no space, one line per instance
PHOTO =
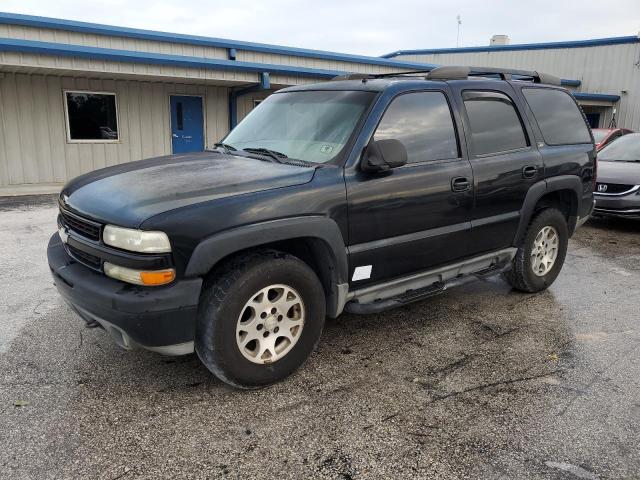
159,277
152,278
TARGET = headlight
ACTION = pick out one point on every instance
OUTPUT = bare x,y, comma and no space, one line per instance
136,240
139,277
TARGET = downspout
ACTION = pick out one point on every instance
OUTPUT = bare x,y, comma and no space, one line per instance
264,84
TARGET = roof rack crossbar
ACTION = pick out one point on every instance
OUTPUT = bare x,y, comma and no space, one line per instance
370,76
462,73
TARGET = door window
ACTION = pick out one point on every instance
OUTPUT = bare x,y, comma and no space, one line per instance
495,124
422,122
558,116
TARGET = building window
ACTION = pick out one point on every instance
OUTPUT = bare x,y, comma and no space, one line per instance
91,116
256,102
495,124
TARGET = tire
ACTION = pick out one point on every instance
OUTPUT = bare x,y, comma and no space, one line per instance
522,276
250,285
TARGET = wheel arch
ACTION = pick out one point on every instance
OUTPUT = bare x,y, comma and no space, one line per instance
562,192
316,240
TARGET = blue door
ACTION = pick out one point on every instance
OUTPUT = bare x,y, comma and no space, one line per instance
187,133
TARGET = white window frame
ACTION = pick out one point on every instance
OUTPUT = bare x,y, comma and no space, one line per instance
68,125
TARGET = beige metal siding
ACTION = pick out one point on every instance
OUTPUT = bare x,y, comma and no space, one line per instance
608,69
122,43
12,61
107,41
34,146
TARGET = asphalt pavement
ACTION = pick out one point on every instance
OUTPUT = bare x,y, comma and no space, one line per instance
480,382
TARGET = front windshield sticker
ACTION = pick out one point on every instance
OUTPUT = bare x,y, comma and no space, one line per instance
326,149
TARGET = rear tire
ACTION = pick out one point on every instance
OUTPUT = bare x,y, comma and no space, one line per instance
259,319
541,254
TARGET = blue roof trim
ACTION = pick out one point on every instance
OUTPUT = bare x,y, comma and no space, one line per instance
601,97
523,46
46,48
570,83
110,30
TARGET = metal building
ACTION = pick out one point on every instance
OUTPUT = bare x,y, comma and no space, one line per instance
78,96
603,73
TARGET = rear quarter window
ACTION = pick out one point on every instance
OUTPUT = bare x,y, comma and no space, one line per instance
558,116
495,124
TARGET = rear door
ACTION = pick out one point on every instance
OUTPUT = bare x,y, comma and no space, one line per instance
416,216
504,160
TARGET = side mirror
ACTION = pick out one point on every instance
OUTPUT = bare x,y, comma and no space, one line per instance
383,155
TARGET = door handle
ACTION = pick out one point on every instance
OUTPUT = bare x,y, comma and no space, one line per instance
529,171
460,184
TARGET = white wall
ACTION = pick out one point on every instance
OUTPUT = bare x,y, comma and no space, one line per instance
33,139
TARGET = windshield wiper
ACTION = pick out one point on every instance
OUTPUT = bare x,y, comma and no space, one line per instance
277,156
227,148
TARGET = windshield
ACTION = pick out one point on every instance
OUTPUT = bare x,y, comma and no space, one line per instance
599,135
626,149
313,126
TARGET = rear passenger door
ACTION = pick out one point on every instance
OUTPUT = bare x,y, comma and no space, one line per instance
505,163
416,216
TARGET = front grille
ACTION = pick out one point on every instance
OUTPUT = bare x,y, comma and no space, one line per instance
613,188
81,226
84,258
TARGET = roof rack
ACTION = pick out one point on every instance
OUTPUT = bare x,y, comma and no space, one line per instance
462,73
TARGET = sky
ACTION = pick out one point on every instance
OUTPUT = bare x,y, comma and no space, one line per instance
372,27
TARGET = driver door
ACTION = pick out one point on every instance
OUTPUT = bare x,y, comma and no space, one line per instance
417,216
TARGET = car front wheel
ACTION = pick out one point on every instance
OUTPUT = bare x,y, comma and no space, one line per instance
260,319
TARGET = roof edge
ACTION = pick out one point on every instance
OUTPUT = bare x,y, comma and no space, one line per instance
131,56
115,31
595,42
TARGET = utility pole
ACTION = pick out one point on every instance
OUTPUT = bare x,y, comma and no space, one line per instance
459,19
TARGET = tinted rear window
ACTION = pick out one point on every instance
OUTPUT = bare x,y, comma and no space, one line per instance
558,116
495,124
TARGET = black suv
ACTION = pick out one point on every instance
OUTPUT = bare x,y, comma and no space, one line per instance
359,194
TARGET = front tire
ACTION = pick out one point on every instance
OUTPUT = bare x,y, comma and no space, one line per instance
259,319
541,255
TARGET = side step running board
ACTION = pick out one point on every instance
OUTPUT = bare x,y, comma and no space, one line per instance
418,287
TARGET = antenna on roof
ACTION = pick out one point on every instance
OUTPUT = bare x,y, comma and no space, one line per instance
459,19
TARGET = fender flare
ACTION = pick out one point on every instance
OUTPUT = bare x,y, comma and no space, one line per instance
218,246
541,188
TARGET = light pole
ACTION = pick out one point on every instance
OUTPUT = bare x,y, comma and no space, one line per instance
459,19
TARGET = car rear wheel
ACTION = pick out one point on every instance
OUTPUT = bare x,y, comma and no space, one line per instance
541,255
259,319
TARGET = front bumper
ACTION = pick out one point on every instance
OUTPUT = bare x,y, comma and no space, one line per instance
161,319
627,206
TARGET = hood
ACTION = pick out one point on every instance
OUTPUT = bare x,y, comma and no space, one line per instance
129,194
626,173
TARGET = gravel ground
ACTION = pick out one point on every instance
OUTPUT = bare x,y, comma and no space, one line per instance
480,382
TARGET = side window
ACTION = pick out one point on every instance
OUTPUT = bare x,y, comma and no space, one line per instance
558,116
495,124
422,122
